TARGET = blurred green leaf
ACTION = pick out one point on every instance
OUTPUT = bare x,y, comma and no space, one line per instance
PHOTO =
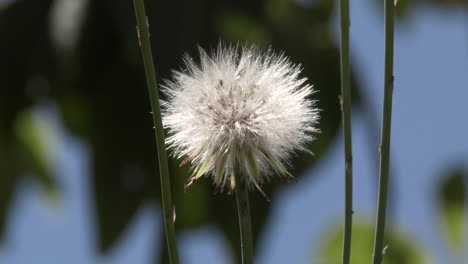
400,249
451,196
38,142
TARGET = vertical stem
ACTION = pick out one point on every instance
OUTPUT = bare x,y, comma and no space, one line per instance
346,118
386,127
144,40
464,244
245,226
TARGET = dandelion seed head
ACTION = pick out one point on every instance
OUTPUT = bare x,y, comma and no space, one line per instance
238,110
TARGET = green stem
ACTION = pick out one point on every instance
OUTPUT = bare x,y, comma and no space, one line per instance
386,128
346,116
144,40
245,226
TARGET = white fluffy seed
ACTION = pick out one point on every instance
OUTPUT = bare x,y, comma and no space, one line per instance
239,111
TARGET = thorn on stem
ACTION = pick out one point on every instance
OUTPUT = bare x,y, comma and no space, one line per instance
384,250
341,102
138,34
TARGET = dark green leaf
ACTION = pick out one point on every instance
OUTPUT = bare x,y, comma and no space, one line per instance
38,145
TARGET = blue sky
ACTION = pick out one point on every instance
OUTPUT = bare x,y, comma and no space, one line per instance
428,137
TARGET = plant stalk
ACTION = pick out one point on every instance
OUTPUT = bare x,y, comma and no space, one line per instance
386,129
346,119
166,198
245,225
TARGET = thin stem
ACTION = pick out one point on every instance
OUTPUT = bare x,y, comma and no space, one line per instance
386,128
346,118
144,40
245,226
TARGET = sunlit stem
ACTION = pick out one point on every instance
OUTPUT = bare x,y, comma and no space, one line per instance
386,128
346,119
144,41
245,226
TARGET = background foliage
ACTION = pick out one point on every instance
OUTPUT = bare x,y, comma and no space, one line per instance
88,64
